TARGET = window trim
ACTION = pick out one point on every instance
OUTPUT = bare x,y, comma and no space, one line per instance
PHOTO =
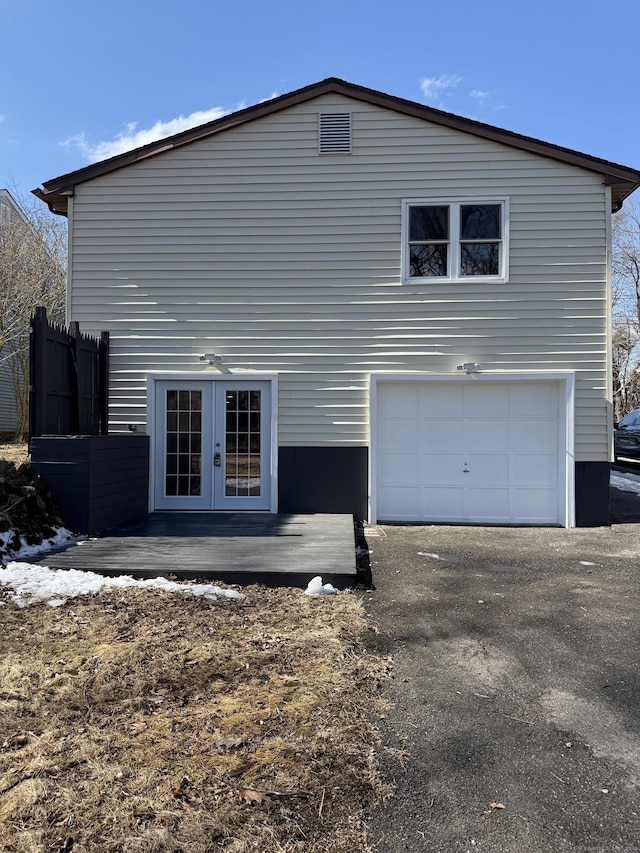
455,203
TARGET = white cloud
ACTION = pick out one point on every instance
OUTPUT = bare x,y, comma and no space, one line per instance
479,95
432,87
134,138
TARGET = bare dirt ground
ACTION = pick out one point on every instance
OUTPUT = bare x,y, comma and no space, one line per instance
142,721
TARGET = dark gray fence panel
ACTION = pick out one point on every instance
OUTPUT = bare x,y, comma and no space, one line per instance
68,380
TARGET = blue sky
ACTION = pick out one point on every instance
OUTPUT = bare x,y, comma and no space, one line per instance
83,81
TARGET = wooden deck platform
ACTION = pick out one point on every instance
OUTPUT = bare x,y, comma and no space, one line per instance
239,548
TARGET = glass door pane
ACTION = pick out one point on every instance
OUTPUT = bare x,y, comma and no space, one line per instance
242,443
183,443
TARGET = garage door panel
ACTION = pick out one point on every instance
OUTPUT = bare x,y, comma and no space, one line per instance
441,401
442,435
400,468
529,436
492,469
400,504
542,400
396,434
482,451
478,404
398,401
486,504
535,470
442,504
535,506
490,434
439,469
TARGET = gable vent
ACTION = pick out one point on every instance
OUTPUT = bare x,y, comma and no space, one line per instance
335,133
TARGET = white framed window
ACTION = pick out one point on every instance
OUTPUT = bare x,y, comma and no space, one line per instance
455,240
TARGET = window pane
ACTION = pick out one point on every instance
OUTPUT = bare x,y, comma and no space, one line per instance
480,258
183,462
480,222
427,260
428,223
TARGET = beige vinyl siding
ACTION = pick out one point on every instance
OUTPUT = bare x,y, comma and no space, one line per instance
7,399
251,244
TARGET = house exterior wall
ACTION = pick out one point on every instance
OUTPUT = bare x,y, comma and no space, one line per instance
7,399
252,245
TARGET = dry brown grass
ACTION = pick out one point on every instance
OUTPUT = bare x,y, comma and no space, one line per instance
16,452
144,722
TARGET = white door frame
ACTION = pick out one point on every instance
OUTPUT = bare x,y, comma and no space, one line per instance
201,377
566,456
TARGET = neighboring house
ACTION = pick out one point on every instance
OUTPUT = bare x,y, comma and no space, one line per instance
10,210
7,399
342,301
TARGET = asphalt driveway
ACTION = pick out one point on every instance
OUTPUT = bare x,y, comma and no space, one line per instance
516,683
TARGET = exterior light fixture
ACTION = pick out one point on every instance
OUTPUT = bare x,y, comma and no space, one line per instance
469,367
211,357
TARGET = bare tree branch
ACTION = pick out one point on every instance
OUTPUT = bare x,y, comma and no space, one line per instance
33,257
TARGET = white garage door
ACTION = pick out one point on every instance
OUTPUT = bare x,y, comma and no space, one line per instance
483,452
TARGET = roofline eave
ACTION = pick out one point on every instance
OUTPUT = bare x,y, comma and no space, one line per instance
57,203
622,179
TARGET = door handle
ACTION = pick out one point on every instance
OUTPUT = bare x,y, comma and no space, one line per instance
216,460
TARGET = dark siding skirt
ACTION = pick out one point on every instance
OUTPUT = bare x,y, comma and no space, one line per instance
326,479
323,479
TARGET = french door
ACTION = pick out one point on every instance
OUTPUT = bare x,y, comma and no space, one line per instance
213,442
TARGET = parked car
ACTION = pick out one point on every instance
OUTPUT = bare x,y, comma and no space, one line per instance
626,435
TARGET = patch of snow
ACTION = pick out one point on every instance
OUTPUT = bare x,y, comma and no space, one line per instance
625,482
316,587
31,584
433,556
61,537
